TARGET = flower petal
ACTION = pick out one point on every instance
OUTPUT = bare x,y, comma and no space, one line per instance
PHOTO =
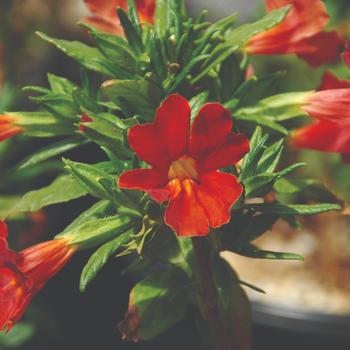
323,136
332,105
231,152
105,25
304,20
145,141
147,180
210,129
346,54
3,229
173,125
326,48
330,81
184,213
216,193
167,138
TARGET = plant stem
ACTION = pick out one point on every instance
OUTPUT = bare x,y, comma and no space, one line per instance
208,295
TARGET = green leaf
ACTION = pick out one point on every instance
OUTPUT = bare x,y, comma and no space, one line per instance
250,161
162,17
141,95
52,194
308,189
99,210
53,150
255,89
247,229
294,209
89,57
250,251
131,33
107,134
6,204
90,178
276,108
100,258
95,232
271,157
259,185
43,124
238,37
231,77
117,50
60,85
156,304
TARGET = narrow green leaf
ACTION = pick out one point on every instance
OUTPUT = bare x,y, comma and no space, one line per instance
251,251
100,258
52,194
53,150
89,57
96,232
294,209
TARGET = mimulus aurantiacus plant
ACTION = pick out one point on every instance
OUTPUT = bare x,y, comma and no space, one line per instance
200,173
185,162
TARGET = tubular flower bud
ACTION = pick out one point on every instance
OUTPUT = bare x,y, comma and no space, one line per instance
8,127
331,130
23,274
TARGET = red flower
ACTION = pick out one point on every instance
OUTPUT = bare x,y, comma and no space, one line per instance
300,33
23,274
330,107
346,54
184,163
8,128
105,16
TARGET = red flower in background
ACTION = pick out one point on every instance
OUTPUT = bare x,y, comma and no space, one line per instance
346,54
8,128
105,17
300,33
23,274
184,163
331,131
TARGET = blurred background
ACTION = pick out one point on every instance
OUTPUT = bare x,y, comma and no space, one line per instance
307,305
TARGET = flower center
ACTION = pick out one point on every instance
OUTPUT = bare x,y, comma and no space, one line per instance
183,168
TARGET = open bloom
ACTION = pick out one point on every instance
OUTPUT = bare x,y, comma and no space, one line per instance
23,274
331,130
105,16
184,164
300,33
8,128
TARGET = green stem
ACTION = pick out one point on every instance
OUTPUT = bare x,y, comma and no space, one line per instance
208,296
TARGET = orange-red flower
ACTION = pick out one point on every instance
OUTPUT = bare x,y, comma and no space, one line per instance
346,54
105,16
23,274
184,164
8,128
300,33
330,108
